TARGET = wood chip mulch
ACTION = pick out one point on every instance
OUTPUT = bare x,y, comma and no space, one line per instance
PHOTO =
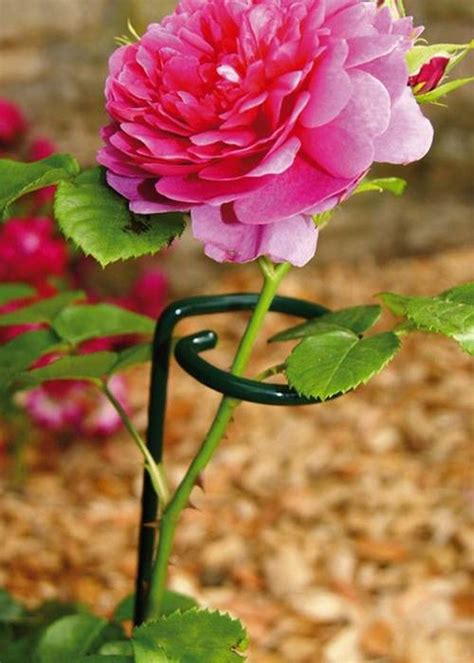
339,533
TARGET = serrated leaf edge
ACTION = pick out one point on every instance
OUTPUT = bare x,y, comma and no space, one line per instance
363,381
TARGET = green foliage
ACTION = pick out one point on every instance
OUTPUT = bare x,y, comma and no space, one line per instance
335,361
9,292
441,91
357,319
70,323
464,294
104,658
81,367
44,310
98,220
71,636
117,648
450,314
57,633
23,629
80,323
19,178
124,610
19,353
172,601
395,185
195,636
137,354
10,609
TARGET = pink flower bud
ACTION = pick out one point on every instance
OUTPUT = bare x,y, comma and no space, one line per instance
429,76
41,148
12,122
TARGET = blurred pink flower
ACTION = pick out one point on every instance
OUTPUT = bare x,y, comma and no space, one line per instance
30,251
149,293
12,122
255,115
56,412
102,419
72,406
429,76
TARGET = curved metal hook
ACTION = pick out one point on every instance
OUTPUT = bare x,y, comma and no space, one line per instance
187,354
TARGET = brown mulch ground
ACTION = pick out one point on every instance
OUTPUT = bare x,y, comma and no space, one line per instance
340,533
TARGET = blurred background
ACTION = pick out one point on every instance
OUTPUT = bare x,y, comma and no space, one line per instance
341,534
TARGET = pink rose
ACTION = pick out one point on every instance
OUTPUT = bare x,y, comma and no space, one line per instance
256,114
429,76
12,122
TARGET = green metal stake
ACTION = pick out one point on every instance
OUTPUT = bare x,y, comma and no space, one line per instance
187,353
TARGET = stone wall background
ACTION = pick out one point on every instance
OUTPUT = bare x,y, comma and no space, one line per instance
53,61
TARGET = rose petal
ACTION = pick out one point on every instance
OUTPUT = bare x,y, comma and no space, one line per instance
292,240
300,188
330,88
409,135
345,146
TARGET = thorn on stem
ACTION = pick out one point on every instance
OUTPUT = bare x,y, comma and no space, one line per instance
200,482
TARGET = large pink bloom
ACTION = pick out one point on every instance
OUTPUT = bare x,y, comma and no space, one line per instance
256,114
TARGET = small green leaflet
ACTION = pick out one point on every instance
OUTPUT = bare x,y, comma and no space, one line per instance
420,55
172,601
9,292
80,323
195,636
356,318
397,304
441,91
334,362
19,178
124,610
98,220
70,637
395,185
22,351
450,314
79,367
138,354
463,294
44,310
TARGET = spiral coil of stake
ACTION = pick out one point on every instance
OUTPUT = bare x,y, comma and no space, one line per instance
187,353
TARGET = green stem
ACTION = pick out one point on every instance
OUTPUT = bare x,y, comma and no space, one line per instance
155,470
270,372
180,500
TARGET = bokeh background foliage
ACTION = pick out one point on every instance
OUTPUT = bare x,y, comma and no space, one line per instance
53,61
